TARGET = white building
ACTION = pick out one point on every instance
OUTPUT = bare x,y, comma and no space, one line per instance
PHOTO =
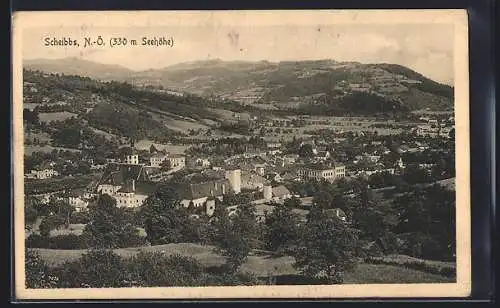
175,160
320,172
132,159
157,160
234,178
42,174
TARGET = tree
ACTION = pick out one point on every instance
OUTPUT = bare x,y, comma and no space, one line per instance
31,117
30,212
451,134
282,227
109,226
374,218
166,165
427,222
153,149
95,269
306,151
327,248
323,199
68,136
155,269
234,236
50,223
165,219
38,274
292,202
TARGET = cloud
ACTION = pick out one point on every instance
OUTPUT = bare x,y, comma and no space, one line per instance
426,48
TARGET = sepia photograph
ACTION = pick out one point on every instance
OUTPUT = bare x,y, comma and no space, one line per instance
241,154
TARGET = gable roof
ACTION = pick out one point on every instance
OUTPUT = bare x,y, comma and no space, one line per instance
119,174
207,189
145,188
280,191
251,177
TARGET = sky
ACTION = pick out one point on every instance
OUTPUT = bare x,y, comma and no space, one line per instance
427,48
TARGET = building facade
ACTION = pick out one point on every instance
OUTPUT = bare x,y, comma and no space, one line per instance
320,173
132,159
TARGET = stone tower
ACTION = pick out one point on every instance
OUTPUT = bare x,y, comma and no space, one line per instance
234,178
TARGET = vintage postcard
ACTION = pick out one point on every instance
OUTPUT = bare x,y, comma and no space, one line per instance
241,154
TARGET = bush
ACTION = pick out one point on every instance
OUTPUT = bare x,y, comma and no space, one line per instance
79,218
416,264
69,241
38,274
155,269
96,269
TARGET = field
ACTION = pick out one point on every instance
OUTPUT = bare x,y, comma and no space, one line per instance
30,149
56,116
262,265
182,126
173,149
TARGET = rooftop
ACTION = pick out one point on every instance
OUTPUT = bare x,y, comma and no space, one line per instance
120,174
213,188
280,191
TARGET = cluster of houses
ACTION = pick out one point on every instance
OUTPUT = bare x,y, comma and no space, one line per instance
435,128
41,173
130,182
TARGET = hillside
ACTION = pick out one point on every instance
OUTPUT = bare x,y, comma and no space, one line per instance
310,87
76,66
261,264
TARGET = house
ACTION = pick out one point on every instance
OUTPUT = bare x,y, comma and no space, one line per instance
197,194
323,155
134,194
281,193
175,160
260,169
132,159
312,144
274,176
42,174
273,145
251,180
202,162
373,158
400,163
290,158
321,172
339,213
376,171
274,152
157,159
76,198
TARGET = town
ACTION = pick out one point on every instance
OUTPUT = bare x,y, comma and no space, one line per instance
102,159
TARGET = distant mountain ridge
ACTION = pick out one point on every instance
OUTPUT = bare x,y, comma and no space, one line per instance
77,66
286,84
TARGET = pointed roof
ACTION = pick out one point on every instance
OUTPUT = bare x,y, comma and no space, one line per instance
119,174
213,188
280,191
